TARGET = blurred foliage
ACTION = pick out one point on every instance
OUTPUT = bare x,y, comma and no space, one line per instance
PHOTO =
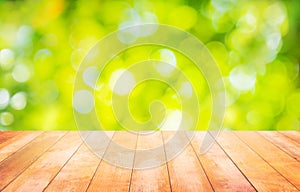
255,43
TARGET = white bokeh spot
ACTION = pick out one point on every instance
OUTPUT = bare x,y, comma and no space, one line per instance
242,78
83,101
166,56
4,98
21,73
90,76
172,121
186,90
122,82
18,101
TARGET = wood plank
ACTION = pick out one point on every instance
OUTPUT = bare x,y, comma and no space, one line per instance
221,171
109,177
279,160
284,143
295,135
153,179
41,172
12,145
185,171
79,170
269,160
262,176
6,135
15,164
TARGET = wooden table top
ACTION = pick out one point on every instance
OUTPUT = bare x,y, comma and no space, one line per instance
238,161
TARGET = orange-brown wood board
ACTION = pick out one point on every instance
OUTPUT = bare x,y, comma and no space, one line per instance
237,161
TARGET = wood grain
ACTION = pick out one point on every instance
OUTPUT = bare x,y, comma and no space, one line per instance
185,171
109,177
6,135
78,172
60,161
152,179
17,142
15,164
259,172
295,135
279,160
283,142
221,171
37,176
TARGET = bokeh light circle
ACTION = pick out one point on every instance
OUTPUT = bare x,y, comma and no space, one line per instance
125,80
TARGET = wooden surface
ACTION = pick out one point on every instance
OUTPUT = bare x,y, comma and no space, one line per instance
238,161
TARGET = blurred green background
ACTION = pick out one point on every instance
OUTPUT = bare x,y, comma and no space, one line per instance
255,43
